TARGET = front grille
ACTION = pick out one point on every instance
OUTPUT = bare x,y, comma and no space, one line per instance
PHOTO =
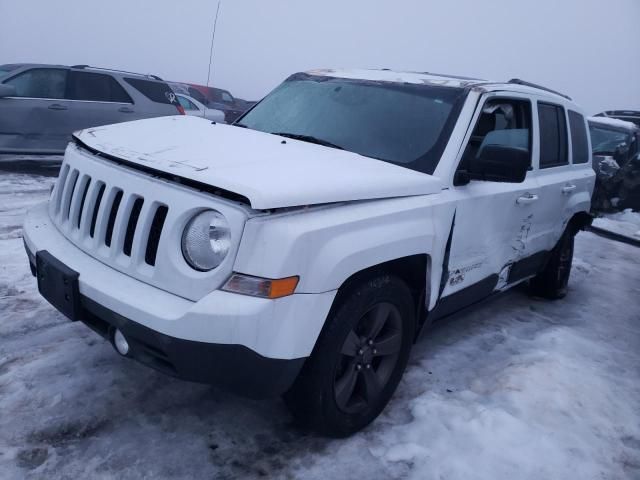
106,217
133,221
154,235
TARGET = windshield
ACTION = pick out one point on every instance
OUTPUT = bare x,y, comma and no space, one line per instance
605,141
6,69
407,125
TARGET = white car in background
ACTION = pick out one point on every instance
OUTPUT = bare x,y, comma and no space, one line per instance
194,107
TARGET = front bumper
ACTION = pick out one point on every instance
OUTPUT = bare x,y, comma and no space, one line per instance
253,346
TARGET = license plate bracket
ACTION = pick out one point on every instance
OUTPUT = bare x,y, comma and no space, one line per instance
58,284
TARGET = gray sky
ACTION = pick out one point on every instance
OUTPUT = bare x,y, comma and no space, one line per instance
585,48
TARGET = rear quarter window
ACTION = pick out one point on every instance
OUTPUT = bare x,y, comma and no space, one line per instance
579,141
553,135
158,92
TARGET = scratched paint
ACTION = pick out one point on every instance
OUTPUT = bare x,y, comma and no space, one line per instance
520,242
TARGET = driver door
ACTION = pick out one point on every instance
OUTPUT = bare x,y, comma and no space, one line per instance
494,220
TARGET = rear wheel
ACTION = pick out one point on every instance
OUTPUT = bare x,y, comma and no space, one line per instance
358,359
552,282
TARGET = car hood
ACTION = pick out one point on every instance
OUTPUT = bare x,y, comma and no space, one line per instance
269,170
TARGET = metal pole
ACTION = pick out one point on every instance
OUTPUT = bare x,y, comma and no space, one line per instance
213,36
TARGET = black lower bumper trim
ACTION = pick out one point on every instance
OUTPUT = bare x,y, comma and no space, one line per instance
234,367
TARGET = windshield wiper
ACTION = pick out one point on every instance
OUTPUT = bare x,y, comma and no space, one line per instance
308,138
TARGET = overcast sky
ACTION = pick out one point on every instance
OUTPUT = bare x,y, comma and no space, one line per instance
589,49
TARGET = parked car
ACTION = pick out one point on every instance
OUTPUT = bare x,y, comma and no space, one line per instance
215,98
192,106
41,105
632,116
301,251
616,160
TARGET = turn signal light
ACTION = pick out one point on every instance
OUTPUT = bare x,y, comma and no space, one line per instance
261,287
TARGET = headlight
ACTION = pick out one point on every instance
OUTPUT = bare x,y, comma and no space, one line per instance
206,240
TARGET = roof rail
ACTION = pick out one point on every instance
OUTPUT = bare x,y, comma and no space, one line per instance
457,77
82,67
517,81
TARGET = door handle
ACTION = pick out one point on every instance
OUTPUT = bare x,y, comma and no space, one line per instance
567,189
125,110
57,106
527,199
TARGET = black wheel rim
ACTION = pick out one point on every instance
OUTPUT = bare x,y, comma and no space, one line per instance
368,358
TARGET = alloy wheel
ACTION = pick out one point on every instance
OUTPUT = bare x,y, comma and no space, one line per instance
368,357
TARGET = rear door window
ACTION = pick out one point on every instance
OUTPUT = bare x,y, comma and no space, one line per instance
40,83
579,142
158,92
553,135
95,87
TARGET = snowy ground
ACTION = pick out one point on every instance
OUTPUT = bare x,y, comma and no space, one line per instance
625,223
516,389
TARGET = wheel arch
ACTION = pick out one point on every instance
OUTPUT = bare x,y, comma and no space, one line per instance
579,221
413,270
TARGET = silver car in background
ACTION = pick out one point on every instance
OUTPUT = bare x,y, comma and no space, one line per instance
194,107
41,105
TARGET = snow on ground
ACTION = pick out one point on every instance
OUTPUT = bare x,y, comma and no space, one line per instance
518,388
625,223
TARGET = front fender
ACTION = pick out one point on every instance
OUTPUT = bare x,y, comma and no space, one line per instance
325,246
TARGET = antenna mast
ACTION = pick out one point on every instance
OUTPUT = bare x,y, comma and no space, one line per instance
213,36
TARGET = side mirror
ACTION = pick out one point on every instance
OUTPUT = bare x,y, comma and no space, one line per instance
7,90
500,163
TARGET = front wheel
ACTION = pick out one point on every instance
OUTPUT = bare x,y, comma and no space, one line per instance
358,360
552,282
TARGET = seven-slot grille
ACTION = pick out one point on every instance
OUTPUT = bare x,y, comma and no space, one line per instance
106,219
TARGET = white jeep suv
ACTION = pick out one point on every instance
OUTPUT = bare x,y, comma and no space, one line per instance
301,250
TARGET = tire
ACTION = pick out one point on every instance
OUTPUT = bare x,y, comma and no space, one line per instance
552,282
348,380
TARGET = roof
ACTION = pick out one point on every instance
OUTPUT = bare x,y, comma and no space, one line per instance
621,113
13,66
428,78
385,75
614,122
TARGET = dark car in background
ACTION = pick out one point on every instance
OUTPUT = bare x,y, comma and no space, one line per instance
632,116
42,105
615,146
215,98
